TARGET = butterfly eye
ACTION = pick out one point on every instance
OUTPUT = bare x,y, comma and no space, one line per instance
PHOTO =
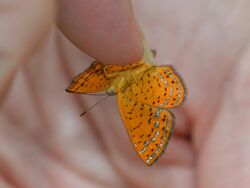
111,90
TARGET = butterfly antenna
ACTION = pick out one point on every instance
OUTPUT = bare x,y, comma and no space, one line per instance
94,105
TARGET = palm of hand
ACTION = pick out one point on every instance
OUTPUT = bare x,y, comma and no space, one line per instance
42,131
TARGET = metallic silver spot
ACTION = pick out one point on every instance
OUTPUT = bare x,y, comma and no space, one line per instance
164,136
171,91
157,150
166,83
135,145
178,99
167,128
157,124
158,112
143,150
146,143
157,115
149,159
161,78
166,101
156,135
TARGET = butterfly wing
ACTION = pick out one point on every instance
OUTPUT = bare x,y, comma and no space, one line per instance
91,80
149,128
160,86
113,69
110,69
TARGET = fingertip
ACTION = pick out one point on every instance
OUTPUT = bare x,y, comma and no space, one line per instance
105,30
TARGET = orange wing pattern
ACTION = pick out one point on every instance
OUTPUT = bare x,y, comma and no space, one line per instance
90,81
160,87
149,127
110,69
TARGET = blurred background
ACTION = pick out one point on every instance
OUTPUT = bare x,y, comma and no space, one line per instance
43,141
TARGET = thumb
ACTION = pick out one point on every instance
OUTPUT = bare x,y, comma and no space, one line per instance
105,30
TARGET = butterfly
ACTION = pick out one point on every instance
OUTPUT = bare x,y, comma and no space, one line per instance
144,94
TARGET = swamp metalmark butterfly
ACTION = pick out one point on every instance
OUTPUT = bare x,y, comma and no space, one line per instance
145,93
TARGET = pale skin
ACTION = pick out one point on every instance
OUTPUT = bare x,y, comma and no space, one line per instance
44,142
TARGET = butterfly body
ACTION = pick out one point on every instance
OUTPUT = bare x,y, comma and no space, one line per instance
145,93
120,81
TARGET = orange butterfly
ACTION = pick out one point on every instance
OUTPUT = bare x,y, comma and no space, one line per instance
145,92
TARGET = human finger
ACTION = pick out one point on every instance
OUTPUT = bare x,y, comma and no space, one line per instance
23,24
226,150
105,30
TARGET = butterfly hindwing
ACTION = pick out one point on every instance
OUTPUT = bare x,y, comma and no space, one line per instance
160,86
149,127
91,80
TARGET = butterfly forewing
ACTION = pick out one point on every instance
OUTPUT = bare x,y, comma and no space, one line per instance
111,69
160,86
90,81
148,127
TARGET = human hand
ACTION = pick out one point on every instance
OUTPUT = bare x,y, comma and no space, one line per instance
44,142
